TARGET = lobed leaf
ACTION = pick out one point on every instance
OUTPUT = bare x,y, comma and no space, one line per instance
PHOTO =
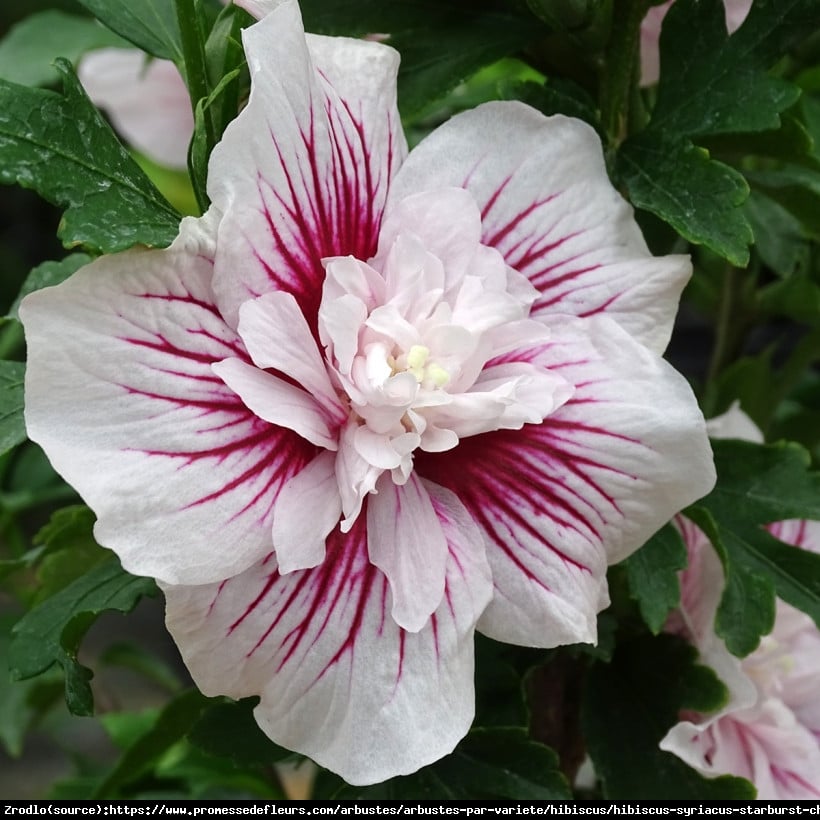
51,632
59,145
757,485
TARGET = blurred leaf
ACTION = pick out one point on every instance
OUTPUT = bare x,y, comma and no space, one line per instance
52,631
652,572
699,197
760,484
228,729
630,704
778,236
143,661
487,764
797,189
499,684
49,274
27,52
171,725
796,297
60,146
149,24
12,426
70,550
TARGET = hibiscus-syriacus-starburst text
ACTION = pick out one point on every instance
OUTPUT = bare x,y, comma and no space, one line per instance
372,401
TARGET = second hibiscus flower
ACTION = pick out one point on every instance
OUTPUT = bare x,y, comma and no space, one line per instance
371,402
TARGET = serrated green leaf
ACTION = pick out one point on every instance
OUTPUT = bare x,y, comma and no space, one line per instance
49,274
59,145
12,426
487,764
149,24
27,52
652,572
699,197
711,85
171,725
51,632
760,484
635,700
228,729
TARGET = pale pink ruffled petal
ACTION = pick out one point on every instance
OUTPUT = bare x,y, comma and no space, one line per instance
559,501
146,100
307,511
303,173
276,335
277,402
182,477
406,542
547,205
339,680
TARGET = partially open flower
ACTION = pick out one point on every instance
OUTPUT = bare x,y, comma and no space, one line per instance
371,402
769,731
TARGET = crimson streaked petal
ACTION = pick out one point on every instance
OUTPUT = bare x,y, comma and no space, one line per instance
303,173
339,680
548,207
126,402
307,510
406,542
560,501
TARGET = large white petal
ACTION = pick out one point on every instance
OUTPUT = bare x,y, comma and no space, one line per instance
302,173
547,205
561,500
339,680
121,396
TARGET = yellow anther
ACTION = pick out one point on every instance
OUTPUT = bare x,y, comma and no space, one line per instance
416,359
438,375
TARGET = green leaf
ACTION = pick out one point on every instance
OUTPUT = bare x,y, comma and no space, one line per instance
27,52
149,24
440,44
49,274
652,572
60,146
487,764
12,426
557,96
52,631
797,189
70,550
757,485
779,237
711,85
699,197
228,729
630,704
171,725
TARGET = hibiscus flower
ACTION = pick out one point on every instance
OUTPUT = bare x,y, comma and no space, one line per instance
372,401
769,731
